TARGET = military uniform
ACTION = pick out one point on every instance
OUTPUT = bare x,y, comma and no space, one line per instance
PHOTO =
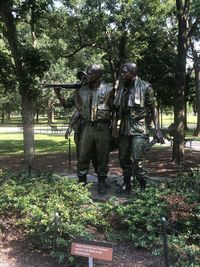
133,105
94,107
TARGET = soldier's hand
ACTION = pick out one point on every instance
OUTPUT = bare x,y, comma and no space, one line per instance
159,137
115,132
67,133
57,91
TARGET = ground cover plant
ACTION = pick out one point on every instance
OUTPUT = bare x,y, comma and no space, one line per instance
53,210
179,202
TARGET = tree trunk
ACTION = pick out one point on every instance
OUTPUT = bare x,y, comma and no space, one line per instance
2,116
161,117
179,101
6,13
50,114
8,115
185,120
28,130
197,86
37,116
197,82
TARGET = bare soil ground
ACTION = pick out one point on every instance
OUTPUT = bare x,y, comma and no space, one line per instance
17,251
158,162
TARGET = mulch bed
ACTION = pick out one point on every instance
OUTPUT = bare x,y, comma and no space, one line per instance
158,162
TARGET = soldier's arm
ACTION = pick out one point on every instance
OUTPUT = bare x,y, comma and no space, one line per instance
111,101
60,97
152,105
114,115
74,120
66,103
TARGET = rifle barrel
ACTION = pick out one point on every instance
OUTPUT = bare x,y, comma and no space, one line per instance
65,86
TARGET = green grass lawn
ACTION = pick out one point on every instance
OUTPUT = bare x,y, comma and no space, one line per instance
17,120
12,144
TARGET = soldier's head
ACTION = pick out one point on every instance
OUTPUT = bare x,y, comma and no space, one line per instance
82,76
129,71
94,73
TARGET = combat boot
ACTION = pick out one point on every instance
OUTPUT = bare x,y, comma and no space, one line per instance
126,186
101,185
142,184
83,180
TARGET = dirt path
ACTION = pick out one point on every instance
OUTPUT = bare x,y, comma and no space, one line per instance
17,251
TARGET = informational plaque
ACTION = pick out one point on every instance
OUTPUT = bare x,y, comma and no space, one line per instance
92,249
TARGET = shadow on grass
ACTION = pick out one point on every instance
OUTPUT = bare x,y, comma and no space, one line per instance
8,147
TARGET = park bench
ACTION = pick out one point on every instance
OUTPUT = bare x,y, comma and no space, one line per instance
54,129
58,129
186,140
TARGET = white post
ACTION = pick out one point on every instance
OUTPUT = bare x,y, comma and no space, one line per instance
90,260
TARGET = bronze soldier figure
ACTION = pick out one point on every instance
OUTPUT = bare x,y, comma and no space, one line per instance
75,123
94,102
134,99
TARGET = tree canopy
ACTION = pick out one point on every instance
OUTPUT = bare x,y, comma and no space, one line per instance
49,41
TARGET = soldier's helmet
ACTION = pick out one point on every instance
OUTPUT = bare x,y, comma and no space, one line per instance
95,69
81,74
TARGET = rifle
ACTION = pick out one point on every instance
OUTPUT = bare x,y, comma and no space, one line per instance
64,86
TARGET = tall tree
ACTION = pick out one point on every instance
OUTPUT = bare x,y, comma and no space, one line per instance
196,59
118,30
179,104
183,8
194,39
28,61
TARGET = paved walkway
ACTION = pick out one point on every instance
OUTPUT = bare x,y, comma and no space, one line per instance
37,129
195,145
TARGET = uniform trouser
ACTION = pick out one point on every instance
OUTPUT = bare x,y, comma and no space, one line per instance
77,135
131,156
94,140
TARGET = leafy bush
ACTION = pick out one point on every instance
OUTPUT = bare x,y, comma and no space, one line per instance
142,216
179,202
53,210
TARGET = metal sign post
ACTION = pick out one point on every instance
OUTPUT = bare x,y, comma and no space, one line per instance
92,250
69,154
164,229
90,261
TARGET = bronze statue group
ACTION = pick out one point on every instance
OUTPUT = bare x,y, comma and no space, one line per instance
103,115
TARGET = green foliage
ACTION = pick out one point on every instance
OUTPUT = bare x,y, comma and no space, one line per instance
53,210
179,202
7,78
35,61
142,217
184,253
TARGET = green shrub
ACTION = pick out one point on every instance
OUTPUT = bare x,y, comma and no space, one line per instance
142,217
179,202
53,210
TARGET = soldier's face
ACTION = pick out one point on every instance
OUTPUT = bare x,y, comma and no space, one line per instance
92,76
83,78
126,74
